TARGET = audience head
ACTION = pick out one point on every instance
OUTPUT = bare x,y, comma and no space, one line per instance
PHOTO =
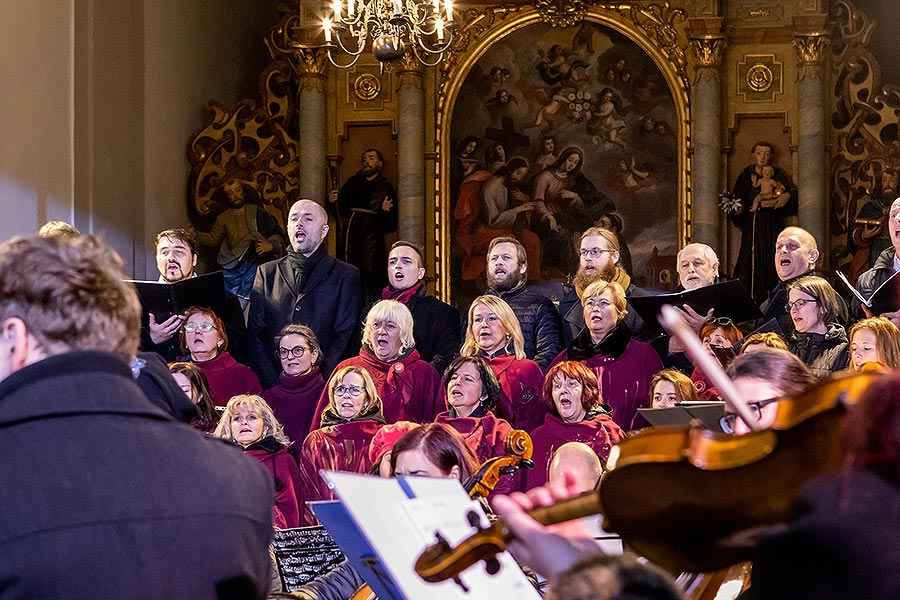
813,304
58,229
388,330
470,383
192,381
669,387
59,295
307,226
603,304
720,332
382,444
248,419
599,255
507,263
433,450
176,254
203,335
352,393
796,253
876,339
761,341
613,577
698,266
492,326
298,349
762,378
571,390
581,461
406,265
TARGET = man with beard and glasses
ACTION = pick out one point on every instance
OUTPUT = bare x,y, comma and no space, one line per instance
176,260
308,287
366,208
246,236
599,259
507,263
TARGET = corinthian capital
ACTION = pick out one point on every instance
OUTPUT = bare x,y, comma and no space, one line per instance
810,49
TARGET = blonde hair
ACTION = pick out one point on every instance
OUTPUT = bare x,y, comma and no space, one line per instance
395,312
598,287
769,339
507,318
887,340
372,397
255,404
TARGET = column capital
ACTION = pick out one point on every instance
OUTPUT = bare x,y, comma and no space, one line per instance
811,50
410,71
708,51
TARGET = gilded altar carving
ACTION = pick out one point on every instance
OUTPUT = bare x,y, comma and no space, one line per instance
708,52
811,49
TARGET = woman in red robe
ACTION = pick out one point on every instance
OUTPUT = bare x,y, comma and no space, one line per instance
348,423
623,366
577,414
409,387
472,391
494,334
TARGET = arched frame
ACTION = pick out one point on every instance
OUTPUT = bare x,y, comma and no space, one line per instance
651,26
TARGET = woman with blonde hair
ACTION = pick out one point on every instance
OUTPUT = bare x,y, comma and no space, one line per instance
341,443
409,387
249,422
875,339
494,334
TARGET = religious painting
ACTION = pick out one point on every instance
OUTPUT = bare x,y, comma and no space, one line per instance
555,130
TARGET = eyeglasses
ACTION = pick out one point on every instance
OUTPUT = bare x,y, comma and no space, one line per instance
798,304
593,253
722,321
353,390
201,327
296,352
600,303
728,420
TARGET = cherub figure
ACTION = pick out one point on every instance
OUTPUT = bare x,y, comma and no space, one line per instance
769,188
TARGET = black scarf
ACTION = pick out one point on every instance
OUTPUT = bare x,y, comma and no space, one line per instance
613,343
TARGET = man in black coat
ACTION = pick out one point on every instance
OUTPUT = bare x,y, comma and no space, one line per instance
436,325
507,263
885,266
104,494
308,287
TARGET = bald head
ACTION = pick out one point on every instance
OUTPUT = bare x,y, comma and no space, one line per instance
579,460
307,226
796,253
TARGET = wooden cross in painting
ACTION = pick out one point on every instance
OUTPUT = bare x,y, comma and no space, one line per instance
507,135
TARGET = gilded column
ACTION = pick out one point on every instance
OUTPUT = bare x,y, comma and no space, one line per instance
310,67
811,176
411,149
706,138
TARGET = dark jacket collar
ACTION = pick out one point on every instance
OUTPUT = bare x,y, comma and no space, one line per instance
267,444
330,417
80,382
612,345
518,289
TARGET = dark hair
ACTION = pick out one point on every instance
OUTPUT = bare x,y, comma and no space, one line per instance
768,145
178,233
779,367
220,327
490,387
442,445
376,151
613,577
309,334
590,388
461,146
827,300
404,243
207,418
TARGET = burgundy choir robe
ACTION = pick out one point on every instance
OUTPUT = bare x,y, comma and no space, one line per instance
286,476
599,432
409,387
485,435
293,400
227,377
521,380
343,447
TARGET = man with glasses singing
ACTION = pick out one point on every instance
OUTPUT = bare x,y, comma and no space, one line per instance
599,256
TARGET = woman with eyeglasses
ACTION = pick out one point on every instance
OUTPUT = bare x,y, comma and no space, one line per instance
762,378
250,423
409,387
624,366
300,383
718,334
494,334
874,340
818,339
576,413
346,428
205,341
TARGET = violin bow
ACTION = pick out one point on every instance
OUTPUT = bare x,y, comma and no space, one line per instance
677,328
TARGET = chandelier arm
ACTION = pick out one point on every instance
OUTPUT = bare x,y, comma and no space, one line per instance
339,65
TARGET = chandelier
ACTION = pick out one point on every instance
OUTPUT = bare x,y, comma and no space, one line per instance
394,26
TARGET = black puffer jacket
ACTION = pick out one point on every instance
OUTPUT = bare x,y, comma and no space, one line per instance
540,322
869,281
823,353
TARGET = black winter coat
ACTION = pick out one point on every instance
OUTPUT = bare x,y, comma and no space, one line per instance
823,353
540,322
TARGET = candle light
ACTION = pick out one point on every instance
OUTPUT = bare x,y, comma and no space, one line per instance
448,8
398,7
351,8
326,24
336,7
436,5
439,22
